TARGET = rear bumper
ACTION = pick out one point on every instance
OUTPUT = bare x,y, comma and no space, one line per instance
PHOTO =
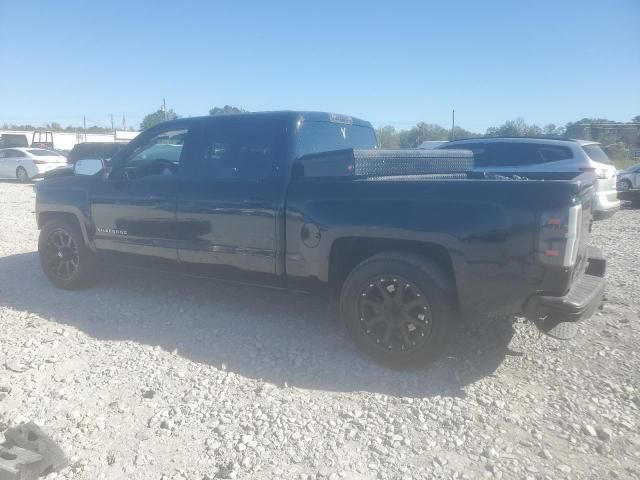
582,300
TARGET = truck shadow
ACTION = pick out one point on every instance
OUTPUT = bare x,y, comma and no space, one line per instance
278,337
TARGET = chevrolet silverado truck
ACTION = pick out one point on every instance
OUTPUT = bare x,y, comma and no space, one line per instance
410,242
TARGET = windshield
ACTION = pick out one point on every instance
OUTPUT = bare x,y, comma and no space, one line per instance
315,137
40,152
595,153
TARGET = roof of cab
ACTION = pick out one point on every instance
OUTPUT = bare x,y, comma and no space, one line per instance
281,115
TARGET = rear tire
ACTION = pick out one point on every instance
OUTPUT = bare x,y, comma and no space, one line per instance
65,258
399,309
21,175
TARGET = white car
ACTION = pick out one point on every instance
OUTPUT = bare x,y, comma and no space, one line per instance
24,164
533,156
431,144
629,179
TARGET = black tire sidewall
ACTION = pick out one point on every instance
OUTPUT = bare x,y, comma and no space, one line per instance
86,258
26,176
418,272
627,183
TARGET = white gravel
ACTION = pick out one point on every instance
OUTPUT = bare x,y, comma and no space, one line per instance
151,376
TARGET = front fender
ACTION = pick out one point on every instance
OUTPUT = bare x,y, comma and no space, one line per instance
51,200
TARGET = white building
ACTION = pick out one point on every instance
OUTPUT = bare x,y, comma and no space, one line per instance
60,140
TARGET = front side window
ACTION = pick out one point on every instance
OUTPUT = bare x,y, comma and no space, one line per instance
158,156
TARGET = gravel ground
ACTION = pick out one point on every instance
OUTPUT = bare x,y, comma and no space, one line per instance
150,376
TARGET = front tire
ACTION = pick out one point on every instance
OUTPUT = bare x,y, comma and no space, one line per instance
623,186
65,259
399,309
21,175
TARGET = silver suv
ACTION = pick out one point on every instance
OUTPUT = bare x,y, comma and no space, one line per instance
539,155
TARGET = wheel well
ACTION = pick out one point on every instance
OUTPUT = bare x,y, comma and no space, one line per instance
45,217
348,252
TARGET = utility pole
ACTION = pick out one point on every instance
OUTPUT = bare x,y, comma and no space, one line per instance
112,127
164,108
84,127
453,124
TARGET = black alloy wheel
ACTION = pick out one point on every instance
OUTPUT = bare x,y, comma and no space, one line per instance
62,254
394,314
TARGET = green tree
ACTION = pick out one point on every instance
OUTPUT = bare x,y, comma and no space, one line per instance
459,132
553,130
226,110
636,119
421,132
514,128
387,137
157,117
54,127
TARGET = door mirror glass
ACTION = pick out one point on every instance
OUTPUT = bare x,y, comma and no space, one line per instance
88,167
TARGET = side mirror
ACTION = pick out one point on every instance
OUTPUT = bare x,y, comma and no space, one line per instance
88,167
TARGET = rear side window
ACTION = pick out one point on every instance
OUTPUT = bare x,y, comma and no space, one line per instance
316,137
232,151
553,153
513,154
501,154
479,152
39,152
595,153
15,154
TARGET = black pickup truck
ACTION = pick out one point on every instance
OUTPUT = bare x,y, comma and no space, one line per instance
305,201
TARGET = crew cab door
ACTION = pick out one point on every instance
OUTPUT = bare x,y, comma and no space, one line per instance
226,199
134,210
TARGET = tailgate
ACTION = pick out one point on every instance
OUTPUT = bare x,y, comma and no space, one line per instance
564,237
585,197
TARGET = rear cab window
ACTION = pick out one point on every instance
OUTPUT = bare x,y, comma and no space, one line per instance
595,153
339,134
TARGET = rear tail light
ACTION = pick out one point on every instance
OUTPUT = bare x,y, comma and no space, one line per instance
559,234
601,173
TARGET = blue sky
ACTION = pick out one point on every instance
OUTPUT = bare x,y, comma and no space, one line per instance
393,62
